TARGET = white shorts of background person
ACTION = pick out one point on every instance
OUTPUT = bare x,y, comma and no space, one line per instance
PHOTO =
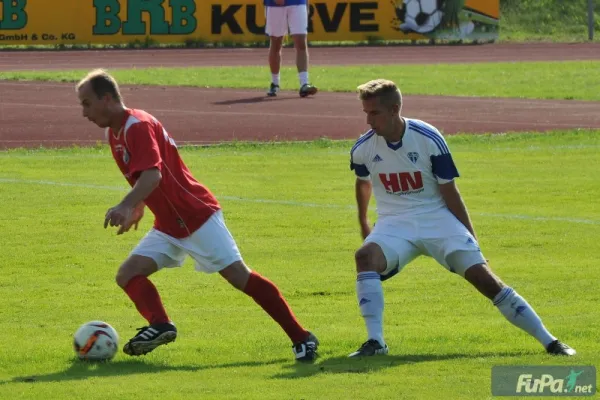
287,19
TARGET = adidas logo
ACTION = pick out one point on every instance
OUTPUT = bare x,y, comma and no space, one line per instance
471,241
363,301
377,158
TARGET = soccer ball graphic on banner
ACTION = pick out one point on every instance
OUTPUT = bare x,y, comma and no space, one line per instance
96,341
422,16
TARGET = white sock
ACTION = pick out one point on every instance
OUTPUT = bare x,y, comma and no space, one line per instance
275,79
303,76
370,301
518,312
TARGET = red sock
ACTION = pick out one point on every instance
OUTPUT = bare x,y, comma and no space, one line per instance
266,294
144,295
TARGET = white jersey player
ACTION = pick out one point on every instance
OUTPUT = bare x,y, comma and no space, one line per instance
407,165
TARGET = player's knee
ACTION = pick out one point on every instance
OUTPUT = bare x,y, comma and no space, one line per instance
237,274
122,278
276,44
484,280
125,274
134,266
300,44
367,259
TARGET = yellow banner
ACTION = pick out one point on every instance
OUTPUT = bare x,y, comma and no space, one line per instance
240,21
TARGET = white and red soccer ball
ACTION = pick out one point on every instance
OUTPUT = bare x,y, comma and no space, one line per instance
96,341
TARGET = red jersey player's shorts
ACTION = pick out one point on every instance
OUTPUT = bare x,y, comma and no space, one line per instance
211,246
439,235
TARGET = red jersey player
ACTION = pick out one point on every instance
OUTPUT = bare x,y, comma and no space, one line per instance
188,220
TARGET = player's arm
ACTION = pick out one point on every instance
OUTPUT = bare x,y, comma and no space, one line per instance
145,185
145,163
363,188
456,205
445,171
131,209
137,212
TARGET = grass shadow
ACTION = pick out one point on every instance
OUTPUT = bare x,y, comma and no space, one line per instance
253,100
345,365
81,370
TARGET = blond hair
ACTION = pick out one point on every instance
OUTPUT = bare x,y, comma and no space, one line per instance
102,83
386,91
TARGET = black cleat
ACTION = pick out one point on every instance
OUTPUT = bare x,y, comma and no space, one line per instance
306,351
560,349
307,90
370,348
273,90
150,337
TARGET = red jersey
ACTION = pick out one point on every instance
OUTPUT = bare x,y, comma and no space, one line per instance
180,203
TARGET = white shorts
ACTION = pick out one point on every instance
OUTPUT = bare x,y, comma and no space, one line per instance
212,247
439,235
280,19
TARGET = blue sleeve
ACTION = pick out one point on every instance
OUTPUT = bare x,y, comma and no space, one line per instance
360,170
443,166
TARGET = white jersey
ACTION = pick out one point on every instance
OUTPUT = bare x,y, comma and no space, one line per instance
405,175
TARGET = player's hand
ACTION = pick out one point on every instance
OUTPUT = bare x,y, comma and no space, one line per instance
280,2
136,216
365,229
118,215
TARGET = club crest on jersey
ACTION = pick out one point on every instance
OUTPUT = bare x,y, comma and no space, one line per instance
119,148
413,156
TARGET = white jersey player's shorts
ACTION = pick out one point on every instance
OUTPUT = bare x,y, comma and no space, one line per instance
439,235
280,20
211,246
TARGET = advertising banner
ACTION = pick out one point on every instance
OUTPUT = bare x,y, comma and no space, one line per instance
30,22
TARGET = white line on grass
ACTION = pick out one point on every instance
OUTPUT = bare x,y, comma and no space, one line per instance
299,204
188,145
51,183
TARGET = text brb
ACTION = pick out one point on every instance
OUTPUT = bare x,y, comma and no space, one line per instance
109,23
14,15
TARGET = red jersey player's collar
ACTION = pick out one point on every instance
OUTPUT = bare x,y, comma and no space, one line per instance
125,118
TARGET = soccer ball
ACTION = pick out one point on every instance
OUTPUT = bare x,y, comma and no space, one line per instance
96,341
422,16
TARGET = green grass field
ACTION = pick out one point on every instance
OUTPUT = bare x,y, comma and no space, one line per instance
532,197
546,20
553,80
534,206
